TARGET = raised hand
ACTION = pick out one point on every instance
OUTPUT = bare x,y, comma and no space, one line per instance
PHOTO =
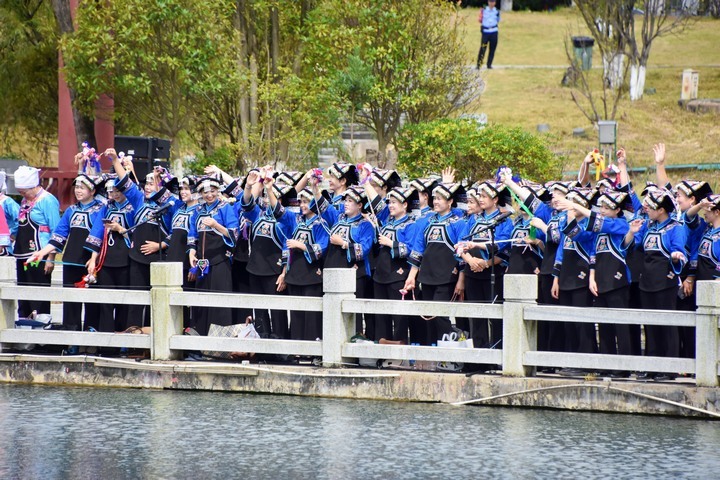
659,151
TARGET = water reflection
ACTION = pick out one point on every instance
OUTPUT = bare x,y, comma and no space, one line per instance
60,433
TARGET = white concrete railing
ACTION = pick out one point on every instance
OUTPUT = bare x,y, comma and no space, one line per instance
520,314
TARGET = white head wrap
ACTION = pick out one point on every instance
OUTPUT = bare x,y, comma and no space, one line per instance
27,177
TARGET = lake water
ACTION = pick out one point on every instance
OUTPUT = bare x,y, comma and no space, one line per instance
78,433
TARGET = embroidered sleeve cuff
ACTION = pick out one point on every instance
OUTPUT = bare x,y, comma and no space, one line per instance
572,229
322,204
313,252
233,190
162,196
399,250
556,269
355,252
123,183
378,204
247,207
285,256
415,259
278,211
58,242
93,243
532,202
191,242
595,223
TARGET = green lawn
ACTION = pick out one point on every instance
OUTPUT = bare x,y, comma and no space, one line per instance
527,97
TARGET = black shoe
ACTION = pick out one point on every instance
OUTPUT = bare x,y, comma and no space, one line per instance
643,376
547,370
489,67
477,67
664,377
572,372
617,374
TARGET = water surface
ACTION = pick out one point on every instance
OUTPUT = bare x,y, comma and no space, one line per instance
58,433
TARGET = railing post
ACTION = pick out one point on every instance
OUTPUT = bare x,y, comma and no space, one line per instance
707,336
338,327
165,279
519,336
8,308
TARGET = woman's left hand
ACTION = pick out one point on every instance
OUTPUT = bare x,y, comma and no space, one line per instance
210,222
148,248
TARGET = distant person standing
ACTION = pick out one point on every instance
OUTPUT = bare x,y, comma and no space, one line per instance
489,19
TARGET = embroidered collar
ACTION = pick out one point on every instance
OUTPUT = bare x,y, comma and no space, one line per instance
354,219
438,218
393,222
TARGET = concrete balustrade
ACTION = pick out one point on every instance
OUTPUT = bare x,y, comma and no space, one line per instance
519,313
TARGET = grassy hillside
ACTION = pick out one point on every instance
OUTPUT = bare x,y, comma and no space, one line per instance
531,96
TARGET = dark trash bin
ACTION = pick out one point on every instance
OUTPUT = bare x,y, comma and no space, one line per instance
583,51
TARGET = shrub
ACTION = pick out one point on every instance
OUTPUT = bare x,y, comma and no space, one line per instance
473,150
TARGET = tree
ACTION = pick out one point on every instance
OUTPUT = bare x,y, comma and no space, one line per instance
474,151
353,84
159,59
273,112
598,98
413,48
29,73
657,20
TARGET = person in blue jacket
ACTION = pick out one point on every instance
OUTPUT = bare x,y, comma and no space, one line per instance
303,257
151,227
688,194
610,275
39,215
481,259
211,239
109,246
489,19
708,259
351,240
69,237
662,241
179,231
432,259
271,227
11,209
572,273
395,237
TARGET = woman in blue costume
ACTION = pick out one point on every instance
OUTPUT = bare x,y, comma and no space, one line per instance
708,260
662,240
351,240
482,259
149,232
11,210
179,230
609,273
211,239
109,245
432,259
69,237
271,227
39,215
304,256
397,232
571,285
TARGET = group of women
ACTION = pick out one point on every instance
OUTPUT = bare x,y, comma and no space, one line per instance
435,239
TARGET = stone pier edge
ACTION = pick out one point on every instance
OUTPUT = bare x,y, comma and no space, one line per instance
366,384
